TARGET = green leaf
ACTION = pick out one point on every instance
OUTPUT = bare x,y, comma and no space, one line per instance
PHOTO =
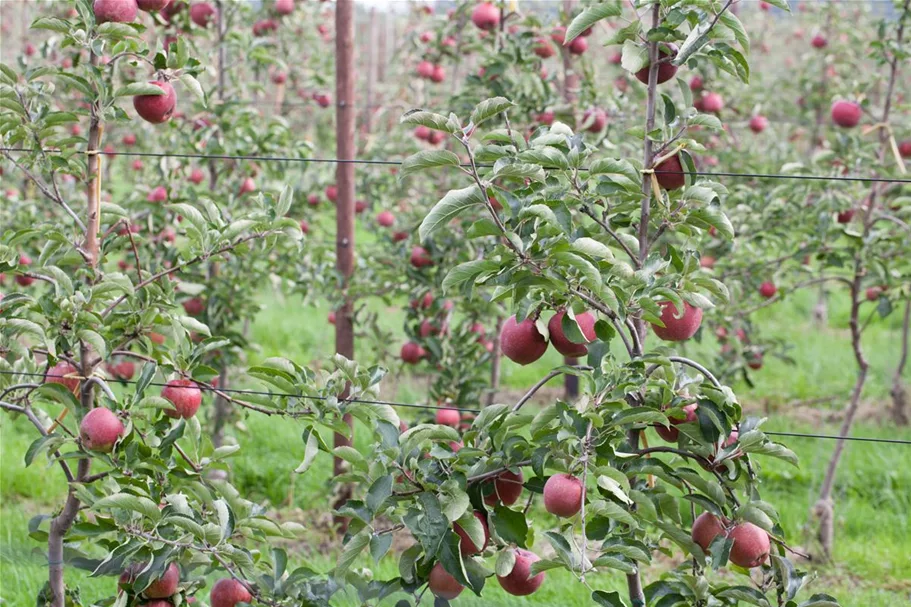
139,88
134,503
379,545
310,451
639,415
592,248
352,550
116,30
193,85
95,340
820,600
745,594
715,217
452,204
379,492
782,4
548,157
51,23
588,18
489,108
612,511
506,561
427,159
510,525
430,120
708,121
697,38
608,599
42,443
634,56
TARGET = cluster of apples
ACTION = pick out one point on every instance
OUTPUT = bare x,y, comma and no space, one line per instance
523,343
226,592
101,428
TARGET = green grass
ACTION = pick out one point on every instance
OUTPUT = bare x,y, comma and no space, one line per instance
873,490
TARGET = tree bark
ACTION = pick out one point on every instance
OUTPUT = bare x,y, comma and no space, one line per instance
344,214
899,391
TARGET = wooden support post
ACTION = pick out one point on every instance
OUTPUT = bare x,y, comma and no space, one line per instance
344,212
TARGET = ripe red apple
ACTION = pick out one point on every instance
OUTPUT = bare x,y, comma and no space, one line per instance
578,46
284,7
422,132
399,236
546,118
765,6
712,103
819,41
436,137
845,216
425,37
666,70
123,370
563,495
758,123
332,193
194,306
678,329
707,262
313,200
162,588
904,149
184,395
670,173
706,528
442,584
696,83
873,293
561,343
197,176
448,417
360,206
598,119
425,302
129,139
385,219
158,194
671,434
322,99
846,114
420,257
21,279
425,69
412,353
507,487
115,11
228,592
152,5
751,545
305,227
754,361
246,186
522,342
427,328
331,318
202,13
439,74
279,78
519,582
100,429
55,376
485,16
137,165
768,289
466,546
156,108
543,49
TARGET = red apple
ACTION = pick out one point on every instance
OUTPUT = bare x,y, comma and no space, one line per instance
197,176
678,328
284,7
578,46
485,16
55,375
712,103
563,495
586,322
246,186
441,584
598,120
332,193
846,114
670,173
152,5
425,69
522,342
21,279
412,353
543,48
100,429
420,258
158,194
666,70
202,13
156,108
507,487
819,41
519,582
696,83
845,216
768,289
468,547
448,417
184,395
228,592
751,545
114,11
758,124
671,434
706,528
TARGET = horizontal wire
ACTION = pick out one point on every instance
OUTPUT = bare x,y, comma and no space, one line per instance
465,165
893,441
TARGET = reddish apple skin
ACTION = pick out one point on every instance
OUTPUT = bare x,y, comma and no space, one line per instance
578,46
696,83
819,41
466,546
194,306
671,434
873,293
55,373
202,13
846,114
712,103
313,200
706,528
164,586
425,69
670,174
755,361
768,289
519,581
751,545
598,118
522,343
448,417
115,11
420,258
561,343
563,495
152,5
666,70
543,49
845,216
284,7
247,186
100,429
197,176
184,395
442,584
228,592
158,194
904,149
758,124
485,16
507,487
439,74
385,219
156,109
123,370
412,353
678,329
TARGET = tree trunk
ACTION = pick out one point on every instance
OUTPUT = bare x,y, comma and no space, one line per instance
899,391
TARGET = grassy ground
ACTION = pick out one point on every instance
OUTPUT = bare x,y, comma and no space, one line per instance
873,497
